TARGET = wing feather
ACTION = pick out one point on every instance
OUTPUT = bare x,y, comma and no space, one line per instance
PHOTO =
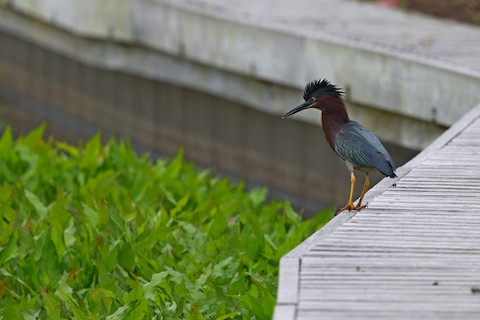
362,148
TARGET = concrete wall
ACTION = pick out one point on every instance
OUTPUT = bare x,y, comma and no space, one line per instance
215,47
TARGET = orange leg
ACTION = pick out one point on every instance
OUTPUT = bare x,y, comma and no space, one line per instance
349,205
365,188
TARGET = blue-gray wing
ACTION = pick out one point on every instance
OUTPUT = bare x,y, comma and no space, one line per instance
359,146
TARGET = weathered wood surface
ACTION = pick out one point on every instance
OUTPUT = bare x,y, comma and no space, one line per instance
414,253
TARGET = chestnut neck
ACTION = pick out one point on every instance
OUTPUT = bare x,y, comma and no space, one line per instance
334,117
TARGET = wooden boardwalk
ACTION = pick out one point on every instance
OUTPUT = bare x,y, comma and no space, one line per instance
414,253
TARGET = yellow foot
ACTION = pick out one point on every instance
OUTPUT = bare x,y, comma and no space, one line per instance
358,208
351,207
348,207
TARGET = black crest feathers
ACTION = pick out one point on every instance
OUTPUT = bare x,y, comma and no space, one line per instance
318,88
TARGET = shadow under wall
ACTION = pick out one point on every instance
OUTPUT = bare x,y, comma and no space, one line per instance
290,157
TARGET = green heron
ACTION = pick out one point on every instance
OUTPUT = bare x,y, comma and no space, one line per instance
358,147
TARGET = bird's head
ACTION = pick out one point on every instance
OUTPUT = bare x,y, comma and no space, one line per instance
317,94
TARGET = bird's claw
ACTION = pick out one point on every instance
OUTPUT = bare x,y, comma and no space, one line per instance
358,208
348,207
351,207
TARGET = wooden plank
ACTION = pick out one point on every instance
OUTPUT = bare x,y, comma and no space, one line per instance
284,312
288,281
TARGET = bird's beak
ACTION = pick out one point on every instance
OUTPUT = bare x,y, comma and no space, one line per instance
303,106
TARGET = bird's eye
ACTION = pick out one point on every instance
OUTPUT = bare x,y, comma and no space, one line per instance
312,100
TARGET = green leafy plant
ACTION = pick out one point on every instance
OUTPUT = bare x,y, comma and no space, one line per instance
99,232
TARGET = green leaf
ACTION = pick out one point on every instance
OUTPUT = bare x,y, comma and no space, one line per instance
36,203
180,205
10,252
7,223
51,306
69,235
126,256
136,299
5,193
225,268
151,287
231,315
91,155
291,215
218,225
35,136
56,233
12,310
258,195
71,150
119,314
90,214
6,143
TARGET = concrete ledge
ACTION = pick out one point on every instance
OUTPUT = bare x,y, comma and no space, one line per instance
106,19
